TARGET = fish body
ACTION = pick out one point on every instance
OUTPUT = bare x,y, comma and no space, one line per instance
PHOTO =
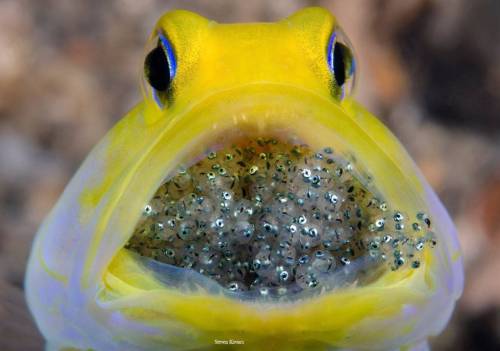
213,85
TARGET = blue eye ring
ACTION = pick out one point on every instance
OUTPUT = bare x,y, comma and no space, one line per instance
341,63
169,51
329,51
160,68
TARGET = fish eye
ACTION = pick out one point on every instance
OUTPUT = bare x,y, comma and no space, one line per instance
159,68
341,63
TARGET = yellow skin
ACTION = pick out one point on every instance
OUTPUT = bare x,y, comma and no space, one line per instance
85,291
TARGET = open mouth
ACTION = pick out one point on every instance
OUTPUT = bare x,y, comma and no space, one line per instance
267,216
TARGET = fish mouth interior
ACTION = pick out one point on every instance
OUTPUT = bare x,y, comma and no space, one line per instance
270,216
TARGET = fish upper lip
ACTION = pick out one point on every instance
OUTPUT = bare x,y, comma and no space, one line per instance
281,90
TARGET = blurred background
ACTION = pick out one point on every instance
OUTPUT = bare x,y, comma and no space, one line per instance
430,69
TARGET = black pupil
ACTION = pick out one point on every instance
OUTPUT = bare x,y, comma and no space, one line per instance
339,64
157,69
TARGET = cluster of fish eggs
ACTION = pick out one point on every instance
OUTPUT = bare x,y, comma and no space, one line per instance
273,217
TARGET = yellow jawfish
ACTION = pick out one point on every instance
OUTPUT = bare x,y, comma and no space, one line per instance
248,203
